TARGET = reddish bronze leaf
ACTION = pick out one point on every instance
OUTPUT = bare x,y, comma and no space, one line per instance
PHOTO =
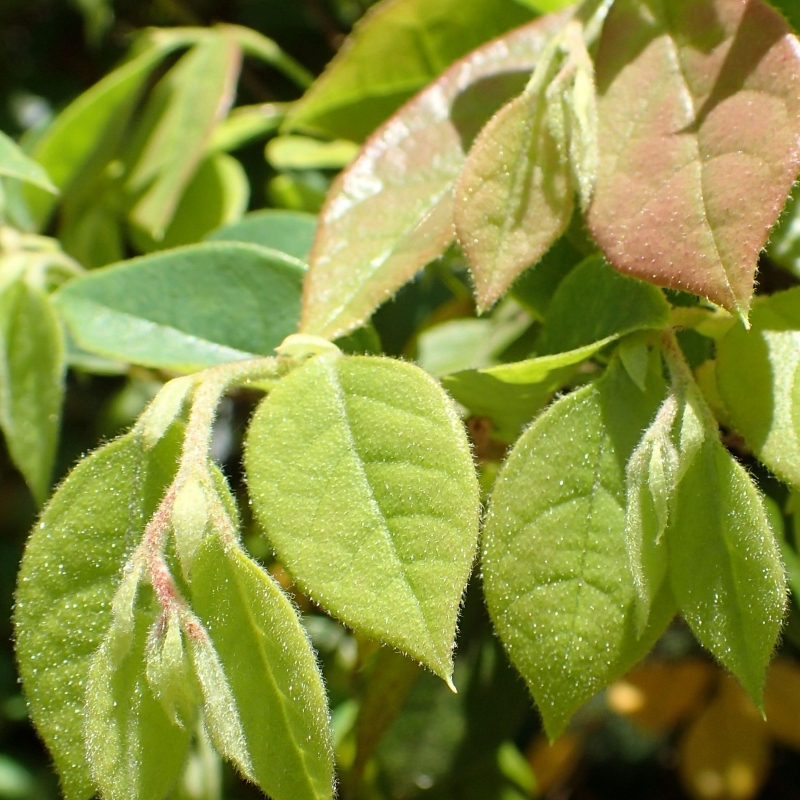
391,211
699,114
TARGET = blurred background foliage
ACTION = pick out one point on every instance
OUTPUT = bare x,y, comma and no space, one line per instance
675,727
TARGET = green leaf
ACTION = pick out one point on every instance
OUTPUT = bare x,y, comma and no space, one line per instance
784,240
186,106
70,572
514,196
361,475
406,204
725,568
302,152
66,146
187,308
216,195
694,169
789,10
289,232
594,302
757,376
245,124
397,49
510,394
554,561
272,673
15,164
134,749
32,364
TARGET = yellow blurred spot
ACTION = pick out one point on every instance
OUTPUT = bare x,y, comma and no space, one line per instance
782,702
552,764
625,698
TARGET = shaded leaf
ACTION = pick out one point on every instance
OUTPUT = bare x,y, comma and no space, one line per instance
70,572
361,475
187,308
782,702
390,212
398,48
15,164
554,567
687,191
271,670
289,232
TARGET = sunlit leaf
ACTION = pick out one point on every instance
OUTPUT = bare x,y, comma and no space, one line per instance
302,152
391,211
362,478
15,164
688,185
397,49
69,575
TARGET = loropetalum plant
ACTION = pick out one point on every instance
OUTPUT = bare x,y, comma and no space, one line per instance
609,174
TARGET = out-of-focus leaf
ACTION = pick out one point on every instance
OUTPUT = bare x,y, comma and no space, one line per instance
685,197
93,236
69,575
15,164
782,702
188,308
398,48
216,195
758,379
184,108
784,241
553,762
391,211
725,754
32,364
289,232
302,152
790,10
360,473
554,566
244,124
514,196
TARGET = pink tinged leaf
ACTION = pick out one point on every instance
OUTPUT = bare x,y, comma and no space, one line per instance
699,138
391,211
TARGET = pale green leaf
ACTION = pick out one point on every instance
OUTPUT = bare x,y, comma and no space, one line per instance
187,308
289,232
164,409
272,673
187,104
70,572
15,164
514,196
361,475
245,124
725,568
391,211
302,152
398,48
32,364
189,521
135,751
554,561
757,376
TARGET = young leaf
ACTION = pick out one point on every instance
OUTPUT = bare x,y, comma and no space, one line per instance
290,232
687,191
361,475
405,203
725,568
514,196
188,103
32,364
69,575
594,302
187,308
272,673
757,376
398,48
135,750
15,164
554,566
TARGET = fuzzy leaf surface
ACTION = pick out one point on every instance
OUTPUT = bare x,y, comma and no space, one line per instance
361,475
398,48
725,567
554,564
272,673
32,364
188,308
391,211
290,232
688,185
758,375
70,572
